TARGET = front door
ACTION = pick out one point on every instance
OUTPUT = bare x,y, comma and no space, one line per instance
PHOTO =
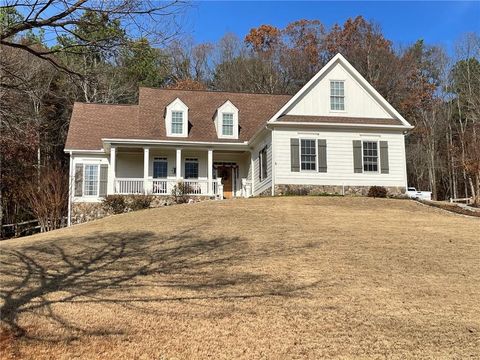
226,174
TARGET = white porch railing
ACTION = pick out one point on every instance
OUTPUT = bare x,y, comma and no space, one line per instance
125,186
196,187
162,187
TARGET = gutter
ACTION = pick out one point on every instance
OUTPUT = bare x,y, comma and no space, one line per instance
173,142
316,124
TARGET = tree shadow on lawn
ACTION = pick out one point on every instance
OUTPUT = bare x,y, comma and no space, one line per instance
110,268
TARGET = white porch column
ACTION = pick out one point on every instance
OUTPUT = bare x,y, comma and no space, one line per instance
210,172
146,161
252,171
179,163
112,172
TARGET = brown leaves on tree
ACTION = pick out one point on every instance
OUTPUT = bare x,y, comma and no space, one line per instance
264,38
306,38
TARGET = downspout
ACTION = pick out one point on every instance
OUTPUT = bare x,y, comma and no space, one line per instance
69,216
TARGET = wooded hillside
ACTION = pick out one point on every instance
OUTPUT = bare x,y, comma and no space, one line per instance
56,52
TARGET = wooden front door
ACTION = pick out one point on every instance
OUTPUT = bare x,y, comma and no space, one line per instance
226,174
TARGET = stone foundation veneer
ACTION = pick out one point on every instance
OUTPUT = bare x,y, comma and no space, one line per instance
333,190
266,192
88,211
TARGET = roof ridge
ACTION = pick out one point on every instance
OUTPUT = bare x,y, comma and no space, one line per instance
214,91
86,103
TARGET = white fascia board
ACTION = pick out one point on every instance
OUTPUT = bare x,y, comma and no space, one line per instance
172,142
379,97
227,102
339,57
343,125
75,151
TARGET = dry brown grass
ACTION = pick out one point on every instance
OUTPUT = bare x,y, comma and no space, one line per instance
300,277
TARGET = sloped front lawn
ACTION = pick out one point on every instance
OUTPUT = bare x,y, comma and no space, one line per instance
296,277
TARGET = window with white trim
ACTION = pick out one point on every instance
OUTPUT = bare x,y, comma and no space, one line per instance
370,156
91,180
337,95
226,121
308,154
177,122
227,124
262,164
191,168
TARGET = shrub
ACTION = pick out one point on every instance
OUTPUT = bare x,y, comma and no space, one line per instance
115,204
377,192
48,198
139,202
180,192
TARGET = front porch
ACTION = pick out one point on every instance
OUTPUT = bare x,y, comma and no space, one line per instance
157,170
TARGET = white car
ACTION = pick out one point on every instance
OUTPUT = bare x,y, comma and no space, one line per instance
414,194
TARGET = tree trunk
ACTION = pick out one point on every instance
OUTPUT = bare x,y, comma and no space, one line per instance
1,198
472,188
453,174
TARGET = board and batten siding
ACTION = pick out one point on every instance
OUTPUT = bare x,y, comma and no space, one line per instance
340,166
265,184
359,102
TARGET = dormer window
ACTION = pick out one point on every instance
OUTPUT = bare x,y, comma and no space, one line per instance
177,122
227,124
226,121
337,95
176,119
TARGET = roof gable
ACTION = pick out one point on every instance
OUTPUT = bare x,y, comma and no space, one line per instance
361,99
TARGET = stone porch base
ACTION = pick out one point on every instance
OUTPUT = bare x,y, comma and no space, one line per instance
88,211
333,190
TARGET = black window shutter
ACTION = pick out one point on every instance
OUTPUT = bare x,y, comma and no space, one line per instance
357,156
260,159
264,163
294,155
322,155
384,157
103,180
78,179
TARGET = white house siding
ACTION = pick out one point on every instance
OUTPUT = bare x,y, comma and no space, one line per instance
358,101
264,185
340,169
129,165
